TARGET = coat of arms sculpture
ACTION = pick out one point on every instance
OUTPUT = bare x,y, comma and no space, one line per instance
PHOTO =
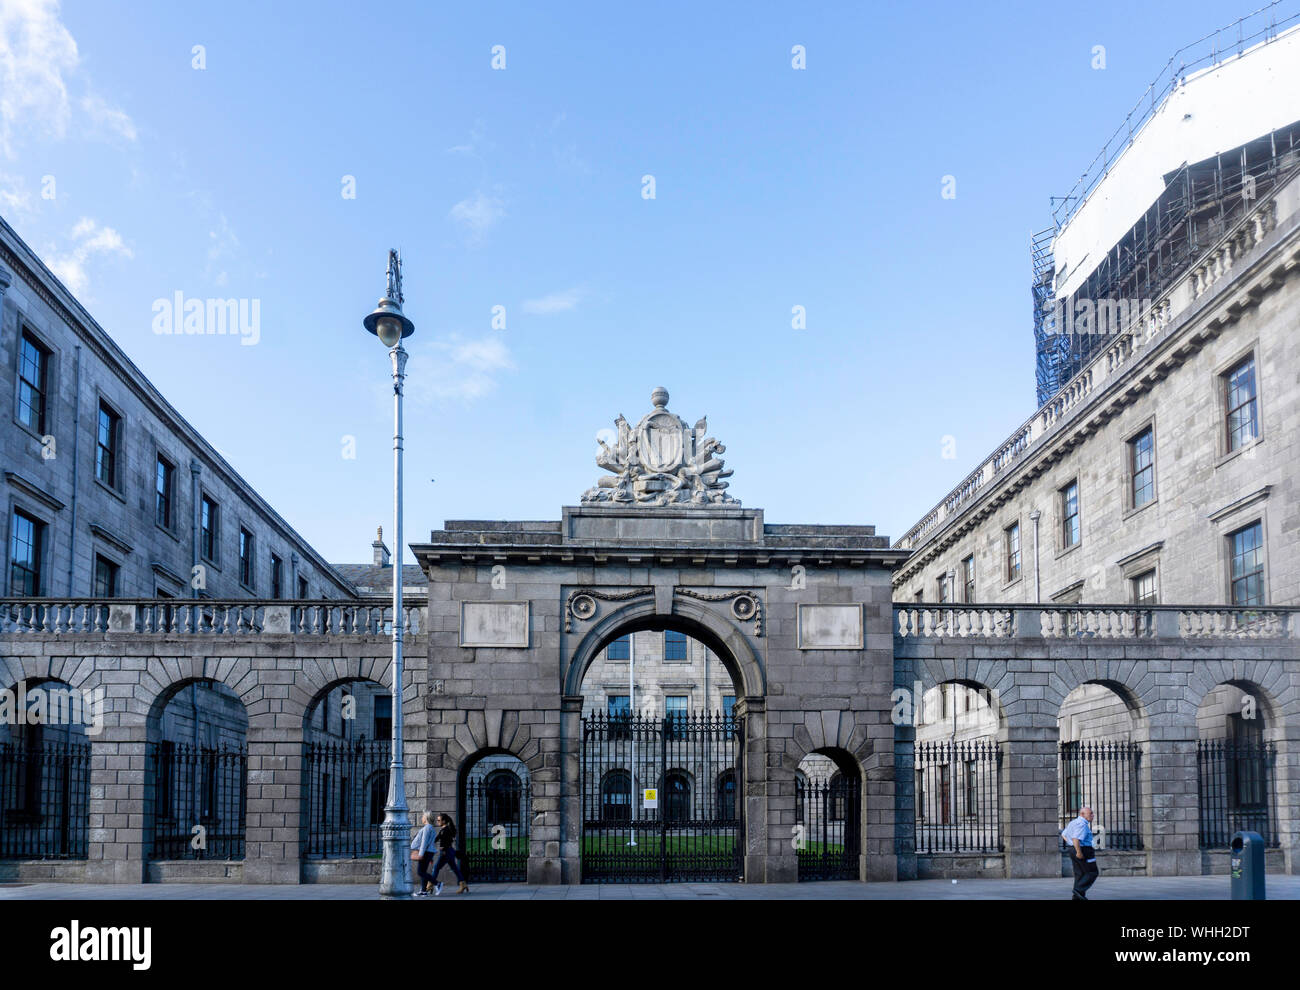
661,461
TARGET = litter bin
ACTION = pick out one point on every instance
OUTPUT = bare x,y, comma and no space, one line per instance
1247,866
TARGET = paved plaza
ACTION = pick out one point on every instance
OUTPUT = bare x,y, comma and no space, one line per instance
1280,887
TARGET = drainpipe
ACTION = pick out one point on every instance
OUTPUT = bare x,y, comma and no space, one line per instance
1037,591
195,521
76,436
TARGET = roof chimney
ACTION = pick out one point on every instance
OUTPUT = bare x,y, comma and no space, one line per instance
381,551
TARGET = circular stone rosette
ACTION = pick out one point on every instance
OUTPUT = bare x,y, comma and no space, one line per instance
584,606
744,607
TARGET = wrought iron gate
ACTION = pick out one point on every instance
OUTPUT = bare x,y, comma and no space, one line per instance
694,765
497,814
828,839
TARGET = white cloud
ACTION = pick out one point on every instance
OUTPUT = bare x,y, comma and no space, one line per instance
476,135
556,302
38,64
15,199
223,245
455,369
478,214
88,239
104,117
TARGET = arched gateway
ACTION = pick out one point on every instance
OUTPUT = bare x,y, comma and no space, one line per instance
800,617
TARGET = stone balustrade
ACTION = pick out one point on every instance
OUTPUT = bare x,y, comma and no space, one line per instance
1095,622
205,617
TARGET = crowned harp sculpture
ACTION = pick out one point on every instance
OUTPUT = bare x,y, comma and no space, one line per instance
661,461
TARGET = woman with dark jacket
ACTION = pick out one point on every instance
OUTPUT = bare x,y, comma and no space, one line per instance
445,841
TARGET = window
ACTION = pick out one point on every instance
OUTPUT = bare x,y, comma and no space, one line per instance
1142,467
1144,588
677,797
1070,515
616,796
674,645
727,795
105,578
1012,541
383,716
26,544
107,444
675,715
919,596
943,589
277,577
1246,546
209,528
728,706
245,558
33,365
619,706
502,790
620,649
968,578
163,483
1240,404
302,587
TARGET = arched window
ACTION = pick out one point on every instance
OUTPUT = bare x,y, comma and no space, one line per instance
616,796
677,797
727,795
503,790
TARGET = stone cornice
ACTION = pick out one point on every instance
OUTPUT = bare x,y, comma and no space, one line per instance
30,488
713,556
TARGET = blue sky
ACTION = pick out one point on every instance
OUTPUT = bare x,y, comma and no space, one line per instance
522,187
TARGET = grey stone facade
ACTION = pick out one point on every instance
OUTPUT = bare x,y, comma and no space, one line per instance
1239,301
50,472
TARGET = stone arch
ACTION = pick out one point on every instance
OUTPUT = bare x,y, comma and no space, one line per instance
690,616
990,678
1269,705
494,731
320,676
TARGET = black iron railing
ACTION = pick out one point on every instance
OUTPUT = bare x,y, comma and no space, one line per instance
958,797
828,828
1104,776
1237,788
498,811
44,800
345,789
199,801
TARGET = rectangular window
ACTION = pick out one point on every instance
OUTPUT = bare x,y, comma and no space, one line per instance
383,716
943,589
26,542
1246,546
619,706
728,705
107,444
968,578
1070,515
1144,588
1142,467
164,478
675,714
209,528
105,578
674,645
1012,540
33,365
302,587
277,577
620,649
1240,404
919,596
245,557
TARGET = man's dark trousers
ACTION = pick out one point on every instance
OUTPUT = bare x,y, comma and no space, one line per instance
1085,873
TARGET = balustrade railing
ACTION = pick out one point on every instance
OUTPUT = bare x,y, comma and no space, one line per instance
1094,622
200,616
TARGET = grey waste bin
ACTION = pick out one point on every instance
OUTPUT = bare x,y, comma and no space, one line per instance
1247,866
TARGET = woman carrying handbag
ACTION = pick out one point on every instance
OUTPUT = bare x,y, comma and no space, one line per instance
422,850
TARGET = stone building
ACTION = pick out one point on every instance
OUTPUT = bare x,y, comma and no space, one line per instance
108,491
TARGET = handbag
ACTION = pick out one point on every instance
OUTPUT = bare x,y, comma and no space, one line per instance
415,855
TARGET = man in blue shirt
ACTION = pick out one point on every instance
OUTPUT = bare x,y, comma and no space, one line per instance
1082,856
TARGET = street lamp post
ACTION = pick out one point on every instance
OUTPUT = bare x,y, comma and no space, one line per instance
390,325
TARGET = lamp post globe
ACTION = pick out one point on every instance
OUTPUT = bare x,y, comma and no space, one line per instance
389,323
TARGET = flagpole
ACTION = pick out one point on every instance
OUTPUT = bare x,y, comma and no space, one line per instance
631,711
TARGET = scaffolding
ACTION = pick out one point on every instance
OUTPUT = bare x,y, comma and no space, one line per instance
1200,203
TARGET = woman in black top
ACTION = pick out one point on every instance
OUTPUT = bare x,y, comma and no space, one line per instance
445,841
